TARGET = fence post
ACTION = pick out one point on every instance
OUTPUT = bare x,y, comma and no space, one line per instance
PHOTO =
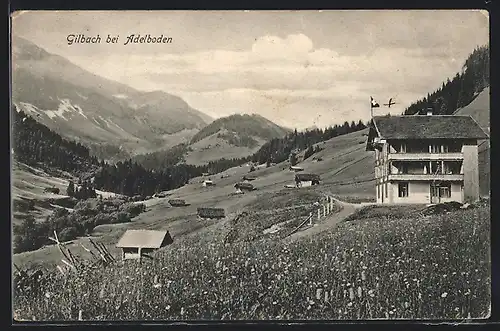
319,214
324,210
310,218
80,312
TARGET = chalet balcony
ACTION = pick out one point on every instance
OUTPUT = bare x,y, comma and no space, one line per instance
424,156
426,177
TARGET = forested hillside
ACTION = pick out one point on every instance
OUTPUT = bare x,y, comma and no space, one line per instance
278,150
275,151
462,89
34,143
241,130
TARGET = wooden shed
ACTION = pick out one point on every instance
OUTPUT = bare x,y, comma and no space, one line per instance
177,202
204,212
244,187
304,180
137,243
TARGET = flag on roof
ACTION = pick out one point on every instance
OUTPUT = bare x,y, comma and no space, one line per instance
374,104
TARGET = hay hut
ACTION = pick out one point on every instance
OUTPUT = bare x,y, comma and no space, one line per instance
305,180
177,202
204,212
243,187
137,243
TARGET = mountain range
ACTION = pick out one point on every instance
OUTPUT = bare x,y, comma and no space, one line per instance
96,111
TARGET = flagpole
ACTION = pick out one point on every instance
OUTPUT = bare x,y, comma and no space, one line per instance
371,108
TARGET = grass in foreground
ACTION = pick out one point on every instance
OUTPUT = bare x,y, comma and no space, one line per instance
434,267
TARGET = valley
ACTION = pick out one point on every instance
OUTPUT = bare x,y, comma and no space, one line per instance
301,234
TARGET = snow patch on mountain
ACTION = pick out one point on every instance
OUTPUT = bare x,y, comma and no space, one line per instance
110,123
65,107
120,96
82,96
28,107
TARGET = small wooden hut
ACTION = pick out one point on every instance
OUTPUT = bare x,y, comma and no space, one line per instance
243,187
177,202
204,212
137,243
305,180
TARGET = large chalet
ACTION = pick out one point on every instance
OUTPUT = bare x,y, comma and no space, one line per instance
425,158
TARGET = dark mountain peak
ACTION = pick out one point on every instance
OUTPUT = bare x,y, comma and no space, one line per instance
244,125
24,49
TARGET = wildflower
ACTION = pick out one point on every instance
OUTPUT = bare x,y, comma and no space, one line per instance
360,292
444,295
351,293
371,293
48,295
167,307
349,304
363,275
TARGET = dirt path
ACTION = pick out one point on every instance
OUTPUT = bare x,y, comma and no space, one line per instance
330,222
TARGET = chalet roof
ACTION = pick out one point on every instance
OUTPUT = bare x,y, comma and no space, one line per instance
307,177
142,238
246,186
428,127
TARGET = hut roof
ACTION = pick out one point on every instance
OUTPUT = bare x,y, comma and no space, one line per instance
142,239
307,177
246,186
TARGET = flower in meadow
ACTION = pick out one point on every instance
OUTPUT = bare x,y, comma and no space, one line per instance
444,295
360,292
167,307
349,304
363,275
351,293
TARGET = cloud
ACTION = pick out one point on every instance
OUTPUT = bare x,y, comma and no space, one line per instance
285,79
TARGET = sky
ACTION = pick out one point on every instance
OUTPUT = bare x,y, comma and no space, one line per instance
297,68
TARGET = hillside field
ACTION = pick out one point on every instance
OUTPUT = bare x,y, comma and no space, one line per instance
345,162
374,266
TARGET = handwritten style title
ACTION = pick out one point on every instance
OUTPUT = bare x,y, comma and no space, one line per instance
110,39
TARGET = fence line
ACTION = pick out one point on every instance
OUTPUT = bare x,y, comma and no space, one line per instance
323,211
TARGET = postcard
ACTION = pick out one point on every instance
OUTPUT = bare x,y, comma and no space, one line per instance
250,165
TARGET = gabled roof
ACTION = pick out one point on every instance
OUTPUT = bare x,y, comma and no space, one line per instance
427,127
307,177
142,238
246,186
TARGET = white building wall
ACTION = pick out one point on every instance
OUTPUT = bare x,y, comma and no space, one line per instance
305,183
456,193
418,192
471,172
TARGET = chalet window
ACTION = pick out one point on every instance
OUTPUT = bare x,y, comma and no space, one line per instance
404,168
386,194
403,190
378,191
445,149
435,148
454,147
445,190
402,148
